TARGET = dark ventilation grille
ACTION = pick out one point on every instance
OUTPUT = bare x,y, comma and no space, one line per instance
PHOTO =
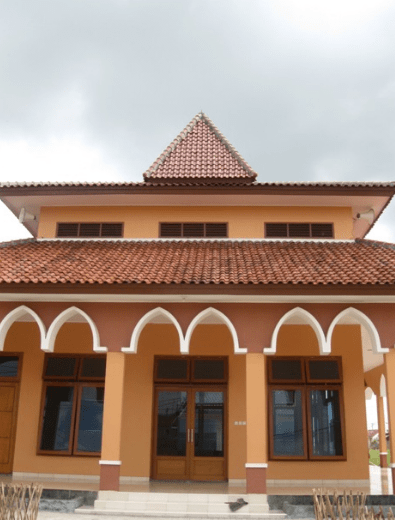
66,229
217,229
89,229
298,230
276,230
193,229
322,230
171,230
112,229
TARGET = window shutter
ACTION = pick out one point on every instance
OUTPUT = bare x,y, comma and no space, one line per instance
276,230
112,229
217,229
322,230
193,229
67,229
299,230
90,229
170,229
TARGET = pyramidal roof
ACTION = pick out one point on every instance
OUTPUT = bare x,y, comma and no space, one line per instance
200,153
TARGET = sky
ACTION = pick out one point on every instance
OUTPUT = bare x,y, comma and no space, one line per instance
94,90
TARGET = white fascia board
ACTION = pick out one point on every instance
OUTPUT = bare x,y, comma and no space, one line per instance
193,298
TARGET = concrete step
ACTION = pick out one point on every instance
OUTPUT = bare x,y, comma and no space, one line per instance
180,505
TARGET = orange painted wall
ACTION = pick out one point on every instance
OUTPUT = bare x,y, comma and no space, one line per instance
295,340
244,222
138,399
158,339
24,337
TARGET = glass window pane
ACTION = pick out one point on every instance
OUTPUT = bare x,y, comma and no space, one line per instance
209,369
287,369
209,424
320,370
93,367
325,422
60,366
57,418
91,419
172,413
172,369
9,366
287,423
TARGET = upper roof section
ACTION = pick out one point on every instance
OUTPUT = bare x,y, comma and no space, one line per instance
200,153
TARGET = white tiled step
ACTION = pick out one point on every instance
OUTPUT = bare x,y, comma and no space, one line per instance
145,515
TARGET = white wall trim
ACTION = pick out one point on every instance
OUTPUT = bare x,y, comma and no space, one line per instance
147,318
362,319
110,462
15,315
222,317
196,239
192,298
307,319
62,318
255,465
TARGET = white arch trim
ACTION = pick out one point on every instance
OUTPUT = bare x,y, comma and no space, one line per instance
218,316
61,319
15,315
383,386
305,318
149,317
362,319
368,393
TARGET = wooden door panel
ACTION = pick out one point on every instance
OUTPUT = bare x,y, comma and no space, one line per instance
5,425
208,469
7,397
4,452
8,406
171,469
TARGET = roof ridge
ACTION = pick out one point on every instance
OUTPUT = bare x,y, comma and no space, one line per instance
18,242
375,243
201,116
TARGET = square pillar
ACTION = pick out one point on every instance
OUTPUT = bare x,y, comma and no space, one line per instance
389,362
382,438
110,464
256,406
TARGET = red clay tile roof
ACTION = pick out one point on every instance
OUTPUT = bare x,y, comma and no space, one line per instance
200,152
362,262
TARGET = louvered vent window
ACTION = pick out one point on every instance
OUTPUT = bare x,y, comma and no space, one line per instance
298,230
90,229
193,230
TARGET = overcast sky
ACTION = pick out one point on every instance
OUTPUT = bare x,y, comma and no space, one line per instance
96,89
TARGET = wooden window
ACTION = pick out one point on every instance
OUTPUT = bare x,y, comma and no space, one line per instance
89,229
72,405
298,230
190,370
10,367
193,230
306,418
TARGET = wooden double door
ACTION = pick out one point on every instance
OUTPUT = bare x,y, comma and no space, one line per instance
189,433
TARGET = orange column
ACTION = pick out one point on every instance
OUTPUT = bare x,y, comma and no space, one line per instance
110,464
256,406
390,381
382,438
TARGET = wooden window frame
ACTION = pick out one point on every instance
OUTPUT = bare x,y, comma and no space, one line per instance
191,223
87,237
77,382
190,380
12,379
310,224
306,385
274,381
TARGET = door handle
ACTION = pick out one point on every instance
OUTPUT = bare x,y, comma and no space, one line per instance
192,435
189,435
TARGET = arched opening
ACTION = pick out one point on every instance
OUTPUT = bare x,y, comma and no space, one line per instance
156,316
211,316
299,317
20,314
73,315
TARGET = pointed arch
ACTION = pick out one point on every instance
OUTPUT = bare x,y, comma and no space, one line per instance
383,386
368,393
153,316
299,315
64,316
354,315
16,315
217,316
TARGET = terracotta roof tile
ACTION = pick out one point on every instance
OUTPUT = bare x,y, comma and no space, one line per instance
200,152
197,262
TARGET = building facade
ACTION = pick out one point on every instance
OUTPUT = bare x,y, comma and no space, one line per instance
198,325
